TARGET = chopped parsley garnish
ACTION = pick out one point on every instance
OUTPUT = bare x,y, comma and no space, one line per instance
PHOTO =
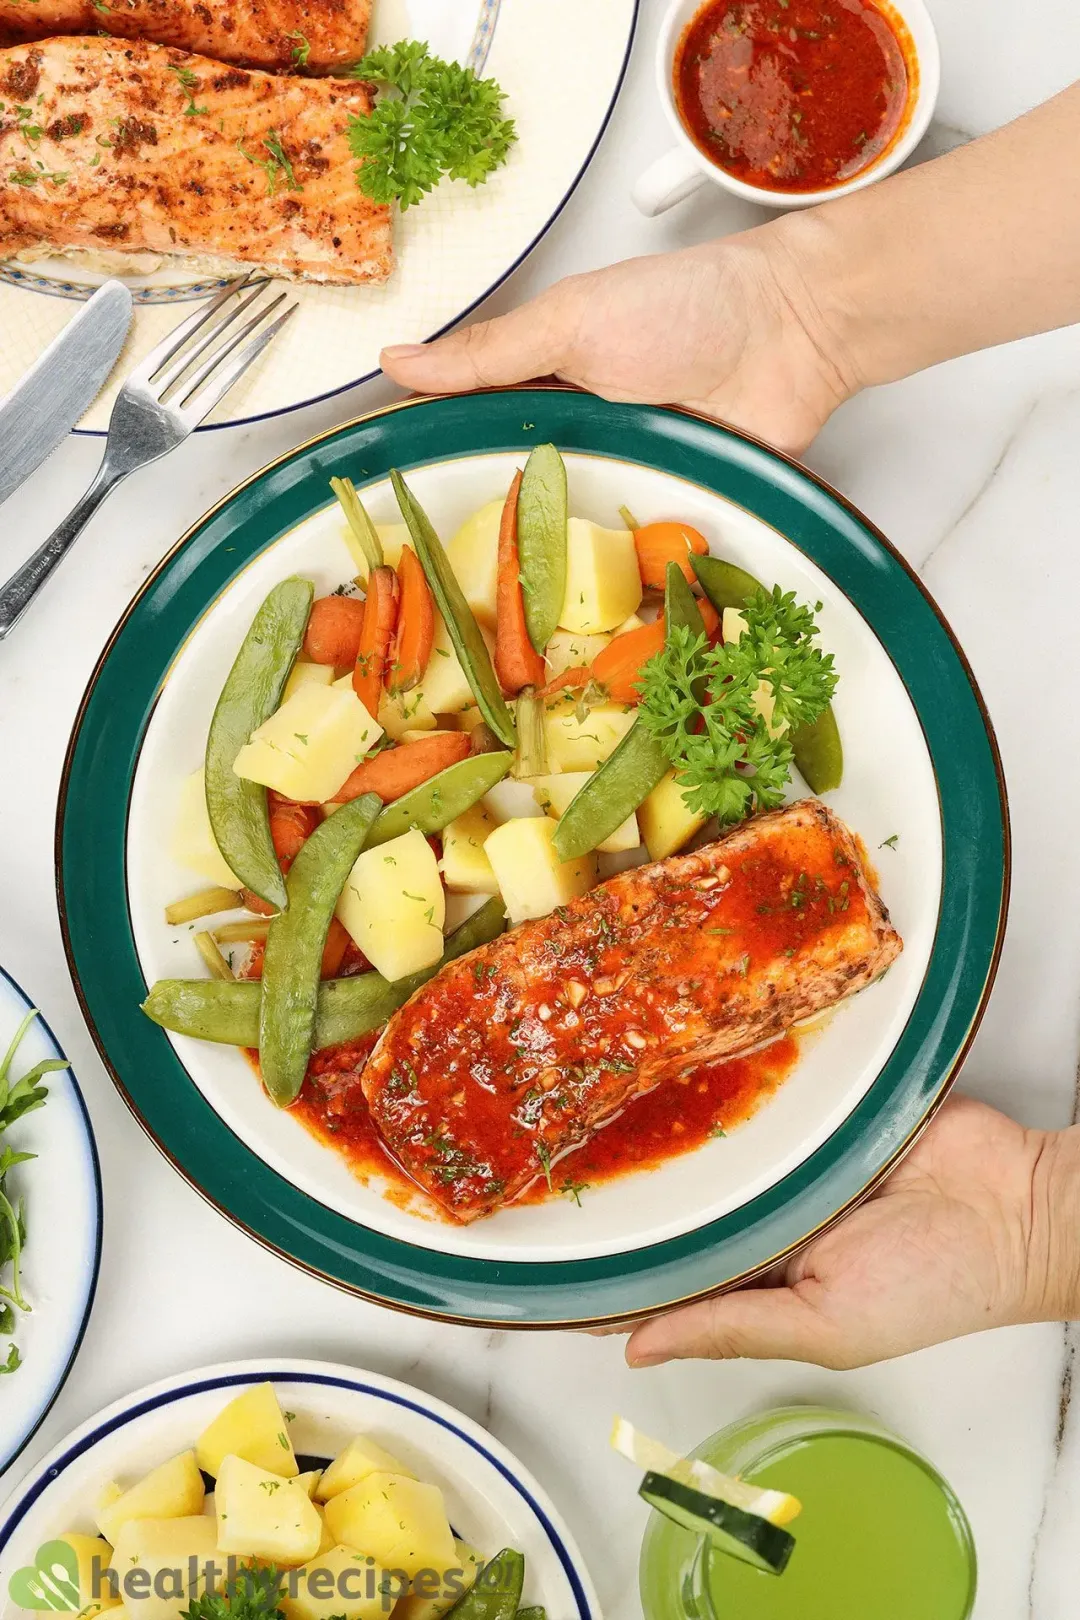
189,82
890,842
543,1153
275,165
302,49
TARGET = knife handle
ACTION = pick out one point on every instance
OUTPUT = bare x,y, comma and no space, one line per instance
21,589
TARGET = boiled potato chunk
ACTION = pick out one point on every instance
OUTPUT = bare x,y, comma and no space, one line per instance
156,1552
666,823
173,1491
404,712
340,1582
392,536
253,1427
260,1515
311,745
360,1458
394,906
311,1481
474,557
93,1557
531,877
304,674
603,584
399,1521
734,624
465,866
579,739
444,685
193,840
326,1541
456,1582
554,795
566,650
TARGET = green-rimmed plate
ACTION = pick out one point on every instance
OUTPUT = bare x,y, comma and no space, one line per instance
921,764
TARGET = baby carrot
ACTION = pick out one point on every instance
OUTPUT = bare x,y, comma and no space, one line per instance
376,634
291,825
338,941
619,665
397,771
333,631
579,675
517,663
660,543
415,627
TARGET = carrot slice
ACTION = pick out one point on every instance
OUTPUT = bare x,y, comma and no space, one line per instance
376,634
338,941
396,771
254,902
710,618
415,626
291,825
579,675
517,663
333,630
619,665
660,543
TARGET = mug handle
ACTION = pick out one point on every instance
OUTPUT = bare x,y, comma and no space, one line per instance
670,180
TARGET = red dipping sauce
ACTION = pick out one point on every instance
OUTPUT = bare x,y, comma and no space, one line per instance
795,95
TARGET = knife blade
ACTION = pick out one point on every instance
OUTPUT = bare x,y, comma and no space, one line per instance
61,385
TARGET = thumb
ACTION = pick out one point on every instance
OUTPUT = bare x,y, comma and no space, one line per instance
532,341
762,1324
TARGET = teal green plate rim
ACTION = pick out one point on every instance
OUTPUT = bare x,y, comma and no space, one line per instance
92,892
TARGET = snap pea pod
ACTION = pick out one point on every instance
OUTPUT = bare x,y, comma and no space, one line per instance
228,1013
237,808
295,942
535,1611
638,764
436,803
497,1591
542,519
818,750
464,631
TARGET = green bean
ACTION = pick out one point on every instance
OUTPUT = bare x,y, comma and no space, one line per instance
497,1591
237,808
464,631
295,942
435,803
542,519
209,1010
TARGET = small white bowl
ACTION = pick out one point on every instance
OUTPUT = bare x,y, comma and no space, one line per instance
680,172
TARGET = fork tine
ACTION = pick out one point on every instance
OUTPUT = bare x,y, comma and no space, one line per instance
196,406
209,366
175,340
163,383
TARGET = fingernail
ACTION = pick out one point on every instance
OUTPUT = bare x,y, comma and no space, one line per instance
638,1361
404,351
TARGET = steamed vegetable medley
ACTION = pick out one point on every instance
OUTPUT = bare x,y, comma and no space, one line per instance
497,719
360,1539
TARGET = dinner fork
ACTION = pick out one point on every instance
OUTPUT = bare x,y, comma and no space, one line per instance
160,404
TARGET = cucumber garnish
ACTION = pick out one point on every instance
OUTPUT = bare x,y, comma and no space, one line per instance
731,1530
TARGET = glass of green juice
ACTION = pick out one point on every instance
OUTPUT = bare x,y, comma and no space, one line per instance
881,1535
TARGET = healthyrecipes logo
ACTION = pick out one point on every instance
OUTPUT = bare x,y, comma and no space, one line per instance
58,1582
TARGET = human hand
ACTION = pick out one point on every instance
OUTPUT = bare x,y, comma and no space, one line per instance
966,1234
733,329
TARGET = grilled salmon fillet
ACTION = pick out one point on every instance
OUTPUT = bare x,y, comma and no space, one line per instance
519,1052
112,146
290,35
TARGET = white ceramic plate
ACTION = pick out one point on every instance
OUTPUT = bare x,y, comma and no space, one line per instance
884,792
62,1191
561,65
492,1501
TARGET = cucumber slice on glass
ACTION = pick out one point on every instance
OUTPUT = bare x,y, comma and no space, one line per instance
731,1530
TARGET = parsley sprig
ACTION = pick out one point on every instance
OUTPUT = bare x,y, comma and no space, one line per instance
437,119
253,1593
704,704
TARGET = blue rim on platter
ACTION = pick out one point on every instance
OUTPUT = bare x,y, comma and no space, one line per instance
104,751
39,1406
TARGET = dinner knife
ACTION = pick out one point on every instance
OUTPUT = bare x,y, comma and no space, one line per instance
61,385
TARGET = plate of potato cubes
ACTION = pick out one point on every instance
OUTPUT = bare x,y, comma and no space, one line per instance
287,1491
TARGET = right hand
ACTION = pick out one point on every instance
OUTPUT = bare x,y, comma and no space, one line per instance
735,329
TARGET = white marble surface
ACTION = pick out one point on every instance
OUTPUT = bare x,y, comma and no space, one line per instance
973,472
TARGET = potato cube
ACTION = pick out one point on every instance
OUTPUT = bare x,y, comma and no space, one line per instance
253,1427
634,622
394,905
307,674
531,877
422,1605
466,719
581,739
260,1515
311,1481
93,1558
554,795
340,1582
399,1521
152,1560
474,557
173,1491
193,840
566,650
326,1541
666,823
734,625
465,867
360,1458
404,712
311,745
444,685
603,584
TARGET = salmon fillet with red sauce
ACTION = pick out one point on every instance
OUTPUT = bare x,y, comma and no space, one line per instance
113,146
519,1052
278,35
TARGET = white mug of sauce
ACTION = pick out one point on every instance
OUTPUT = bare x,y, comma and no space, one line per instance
790,102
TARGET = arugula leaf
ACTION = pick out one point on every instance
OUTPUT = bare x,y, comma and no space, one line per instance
13,1362
440,119
16,1099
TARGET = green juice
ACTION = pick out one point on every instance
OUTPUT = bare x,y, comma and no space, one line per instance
880,1535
